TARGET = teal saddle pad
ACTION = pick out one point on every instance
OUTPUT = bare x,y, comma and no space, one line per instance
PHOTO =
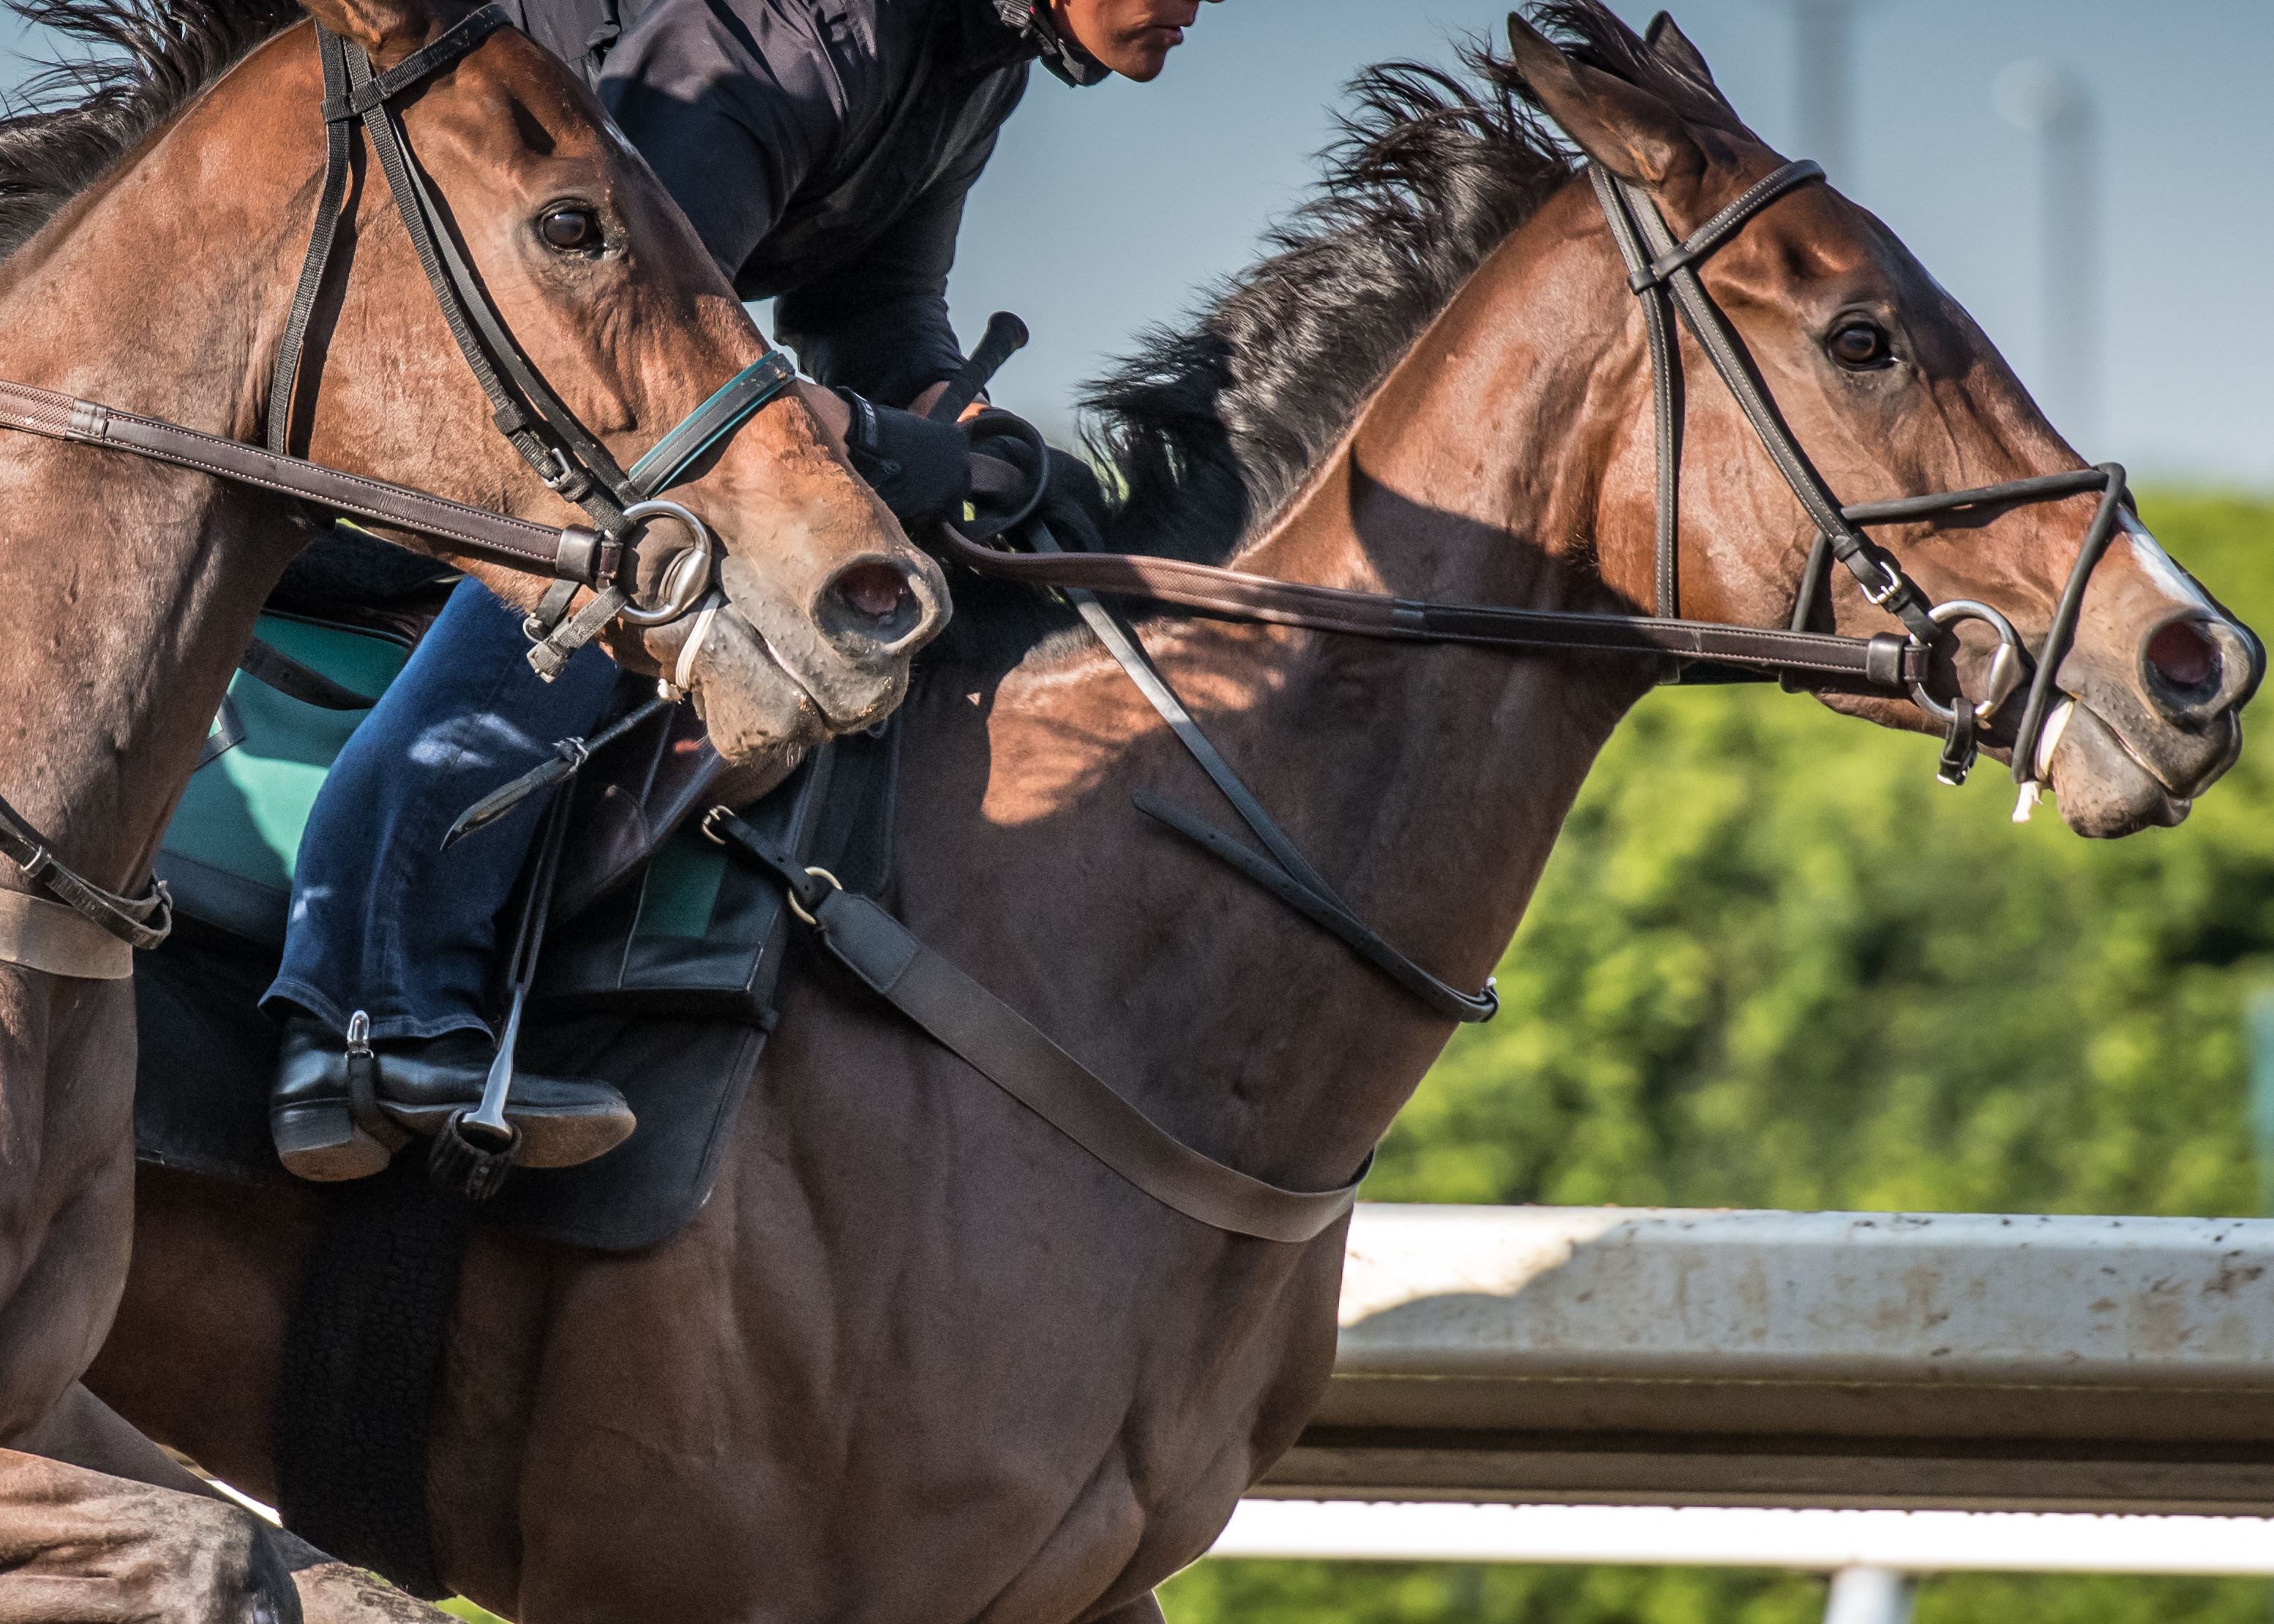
687,937
228,854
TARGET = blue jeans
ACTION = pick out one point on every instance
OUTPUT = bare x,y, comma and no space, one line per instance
383,920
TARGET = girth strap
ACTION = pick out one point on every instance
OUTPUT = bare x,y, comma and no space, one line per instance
1004,1048
49,937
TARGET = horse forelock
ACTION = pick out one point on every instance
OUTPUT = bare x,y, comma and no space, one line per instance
149,58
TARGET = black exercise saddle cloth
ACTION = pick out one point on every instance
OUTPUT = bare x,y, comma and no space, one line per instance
659,975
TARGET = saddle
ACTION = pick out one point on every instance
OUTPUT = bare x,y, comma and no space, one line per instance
661,964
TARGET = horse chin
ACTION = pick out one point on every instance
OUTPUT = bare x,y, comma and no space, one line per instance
750,705
2101,789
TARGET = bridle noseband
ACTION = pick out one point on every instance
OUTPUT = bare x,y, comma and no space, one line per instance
1663,273
570,461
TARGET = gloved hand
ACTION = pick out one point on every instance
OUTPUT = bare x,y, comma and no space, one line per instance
921,469
1072,504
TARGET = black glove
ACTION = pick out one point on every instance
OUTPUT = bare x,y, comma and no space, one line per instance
921,469
1072,504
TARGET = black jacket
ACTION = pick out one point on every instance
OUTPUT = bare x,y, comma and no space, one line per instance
823,149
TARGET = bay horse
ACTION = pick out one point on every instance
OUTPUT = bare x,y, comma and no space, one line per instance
920,1358
150,235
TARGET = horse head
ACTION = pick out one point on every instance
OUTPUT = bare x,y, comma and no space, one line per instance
1885,386
605,286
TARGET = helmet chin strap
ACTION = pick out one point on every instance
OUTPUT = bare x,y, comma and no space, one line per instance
1062,56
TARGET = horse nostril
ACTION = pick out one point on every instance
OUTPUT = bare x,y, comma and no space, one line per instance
876,591
2183,657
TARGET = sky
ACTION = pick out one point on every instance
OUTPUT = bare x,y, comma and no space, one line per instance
1108,209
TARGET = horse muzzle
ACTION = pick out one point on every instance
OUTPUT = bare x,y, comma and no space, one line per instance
766,677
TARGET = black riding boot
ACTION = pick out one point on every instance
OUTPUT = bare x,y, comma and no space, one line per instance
341,1110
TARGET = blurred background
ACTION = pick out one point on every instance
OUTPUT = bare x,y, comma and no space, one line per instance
1772,963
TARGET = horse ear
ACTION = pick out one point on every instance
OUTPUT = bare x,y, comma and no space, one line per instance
388,29
1624,128
1673,47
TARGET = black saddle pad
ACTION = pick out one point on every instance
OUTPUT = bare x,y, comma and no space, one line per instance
207,1054
683,1055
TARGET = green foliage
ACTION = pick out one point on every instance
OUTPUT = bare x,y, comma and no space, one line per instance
1773,963
1398,1593
1254,1592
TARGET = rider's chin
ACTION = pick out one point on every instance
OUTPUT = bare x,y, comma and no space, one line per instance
750,705
2100,786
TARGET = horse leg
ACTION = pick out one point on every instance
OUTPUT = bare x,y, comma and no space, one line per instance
83,1430
81,1545
1145,1610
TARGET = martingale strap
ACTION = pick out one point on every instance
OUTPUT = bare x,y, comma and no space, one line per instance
1010,1052
1289,876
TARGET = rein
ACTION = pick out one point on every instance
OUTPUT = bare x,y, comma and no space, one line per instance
570,461
1010,1052
1663,273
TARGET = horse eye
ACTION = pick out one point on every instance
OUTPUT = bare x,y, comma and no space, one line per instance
1859,343
571,228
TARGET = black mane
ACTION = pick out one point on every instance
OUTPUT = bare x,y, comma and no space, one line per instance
1208,430
149,58
1212,427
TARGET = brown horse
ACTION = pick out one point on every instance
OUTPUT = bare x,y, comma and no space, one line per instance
920,1358
152,236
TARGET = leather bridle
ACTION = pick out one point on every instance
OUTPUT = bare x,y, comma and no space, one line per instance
1663,273
570,459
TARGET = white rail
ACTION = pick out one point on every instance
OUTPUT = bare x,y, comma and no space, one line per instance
1801,1360
1914,1542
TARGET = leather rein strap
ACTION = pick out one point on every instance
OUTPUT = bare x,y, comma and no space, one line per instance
573,553
1881,662
1006,1049
1664,273
570,461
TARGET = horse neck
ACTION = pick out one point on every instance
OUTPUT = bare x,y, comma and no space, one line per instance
160,291
1427,784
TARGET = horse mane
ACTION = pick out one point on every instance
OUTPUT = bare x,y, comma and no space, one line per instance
1209,428
147,60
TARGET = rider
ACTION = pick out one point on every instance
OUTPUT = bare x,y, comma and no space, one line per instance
823,149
